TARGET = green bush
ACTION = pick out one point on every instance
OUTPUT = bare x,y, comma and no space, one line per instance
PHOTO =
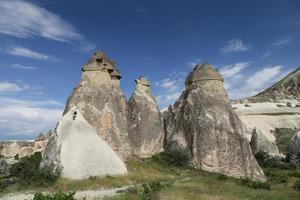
222,177
264,160
253,184
147,190
297,185
173,158
28,172
57,196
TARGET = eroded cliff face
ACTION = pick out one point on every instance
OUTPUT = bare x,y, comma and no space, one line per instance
146,131
203,122
102,103
9,149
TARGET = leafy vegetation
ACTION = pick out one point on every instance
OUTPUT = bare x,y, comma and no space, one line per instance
28,172
264,160
57,196
157,179
253,184
283,136
173,158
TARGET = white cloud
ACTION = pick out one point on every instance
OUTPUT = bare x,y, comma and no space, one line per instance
234,45
25,52
267,54
24,67
26,118
194,62
12,87
24,19
263,77
282,42
257,82
170,88
142,11
233,70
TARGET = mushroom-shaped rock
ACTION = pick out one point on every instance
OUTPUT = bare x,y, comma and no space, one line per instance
260,143
79,152
293,149
102,103
203,123
146,131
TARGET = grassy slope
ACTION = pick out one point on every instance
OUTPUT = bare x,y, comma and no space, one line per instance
184,183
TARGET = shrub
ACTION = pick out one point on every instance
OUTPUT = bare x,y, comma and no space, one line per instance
57,196
173,158
297,185
253,184
147,190
222,177
28,172
264,160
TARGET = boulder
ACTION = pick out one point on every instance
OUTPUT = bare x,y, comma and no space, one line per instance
203,122
146,131
102,103
260,143
293,149
78,151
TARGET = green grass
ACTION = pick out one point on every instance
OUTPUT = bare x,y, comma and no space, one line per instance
184,183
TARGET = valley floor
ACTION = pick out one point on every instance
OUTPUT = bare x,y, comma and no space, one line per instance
179,184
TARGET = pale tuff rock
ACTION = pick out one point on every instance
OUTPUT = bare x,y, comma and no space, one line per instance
12,148
203,122
79,152
275,107
287,88
146,130
260,143
102,103
293,149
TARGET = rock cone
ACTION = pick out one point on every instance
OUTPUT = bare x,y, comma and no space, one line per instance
260,143
78,151
146,129
101,101
202,122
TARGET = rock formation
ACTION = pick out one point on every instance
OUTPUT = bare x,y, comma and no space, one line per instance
286,88
102,103
9,149
146,131
293,149
203,122
275,107
78,151
260,143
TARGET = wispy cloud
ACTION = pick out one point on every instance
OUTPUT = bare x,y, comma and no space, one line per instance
257,82
25,67
27,118
12,87
234,69
265,55
234,45
170,88
24,19
142,11
28,53
282,42
194,62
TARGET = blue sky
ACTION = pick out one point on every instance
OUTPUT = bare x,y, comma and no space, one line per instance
43,45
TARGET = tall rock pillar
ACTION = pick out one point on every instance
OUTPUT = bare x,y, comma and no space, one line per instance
203,122
146,130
